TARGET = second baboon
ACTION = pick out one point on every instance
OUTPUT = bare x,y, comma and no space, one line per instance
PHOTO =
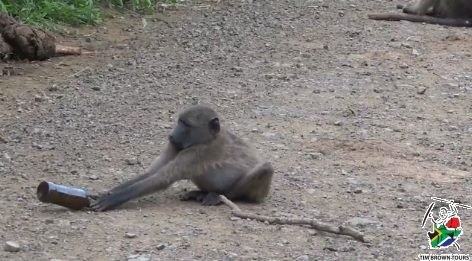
442,12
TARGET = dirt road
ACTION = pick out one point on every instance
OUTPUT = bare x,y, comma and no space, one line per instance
363,120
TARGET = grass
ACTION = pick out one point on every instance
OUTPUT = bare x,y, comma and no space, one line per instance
53,13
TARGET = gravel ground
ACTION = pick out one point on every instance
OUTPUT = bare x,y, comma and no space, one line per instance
363,121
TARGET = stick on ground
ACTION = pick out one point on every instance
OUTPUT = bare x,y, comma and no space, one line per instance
340,230
421,19
67,50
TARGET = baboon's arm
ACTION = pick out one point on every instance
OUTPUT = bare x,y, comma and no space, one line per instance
165,157
182,167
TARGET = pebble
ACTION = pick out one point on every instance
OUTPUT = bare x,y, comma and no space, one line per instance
11,246
130,235
132,161
38,98
358,191
303,258
161,246
453,128
142,257
230,256
421,90
93,177
53,88
6,156
314,155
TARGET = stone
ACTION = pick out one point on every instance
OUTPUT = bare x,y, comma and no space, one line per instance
130,235
11,246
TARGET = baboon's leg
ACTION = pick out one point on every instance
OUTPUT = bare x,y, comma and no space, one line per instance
255,185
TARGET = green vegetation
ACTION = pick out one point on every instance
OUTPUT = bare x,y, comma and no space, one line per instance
48,13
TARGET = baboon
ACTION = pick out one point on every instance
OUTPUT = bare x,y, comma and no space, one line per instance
200,150
442,12
441,8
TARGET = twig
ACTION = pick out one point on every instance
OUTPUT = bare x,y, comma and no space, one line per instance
80,72
340,230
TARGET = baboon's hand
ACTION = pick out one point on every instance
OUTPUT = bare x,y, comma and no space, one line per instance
106,202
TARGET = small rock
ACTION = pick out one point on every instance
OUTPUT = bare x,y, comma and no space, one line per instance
93,177
421,90
160,247
53,88
96,88
237,69
423,247
130,235
38,98
314,155
303,258
407,45
11,246
269,134
338,123
234,218
332,249
132,161
139,258
37,145
6,156
404,66
453,128
230,256
415,52
358,191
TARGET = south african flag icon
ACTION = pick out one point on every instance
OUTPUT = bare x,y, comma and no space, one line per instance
445,234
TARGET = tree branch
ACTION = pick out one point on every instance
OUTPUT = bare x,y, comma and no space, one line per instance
340,230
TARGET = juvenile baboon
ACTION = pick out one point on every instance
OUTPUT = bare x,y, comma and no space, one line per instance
215,160
443,12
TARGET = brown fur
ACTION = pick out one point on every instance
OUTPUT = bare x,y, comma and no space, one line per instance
222,164
441,8
442,12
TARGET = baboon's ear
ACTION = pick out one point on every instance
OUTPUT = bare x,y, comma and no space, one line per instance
214,126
